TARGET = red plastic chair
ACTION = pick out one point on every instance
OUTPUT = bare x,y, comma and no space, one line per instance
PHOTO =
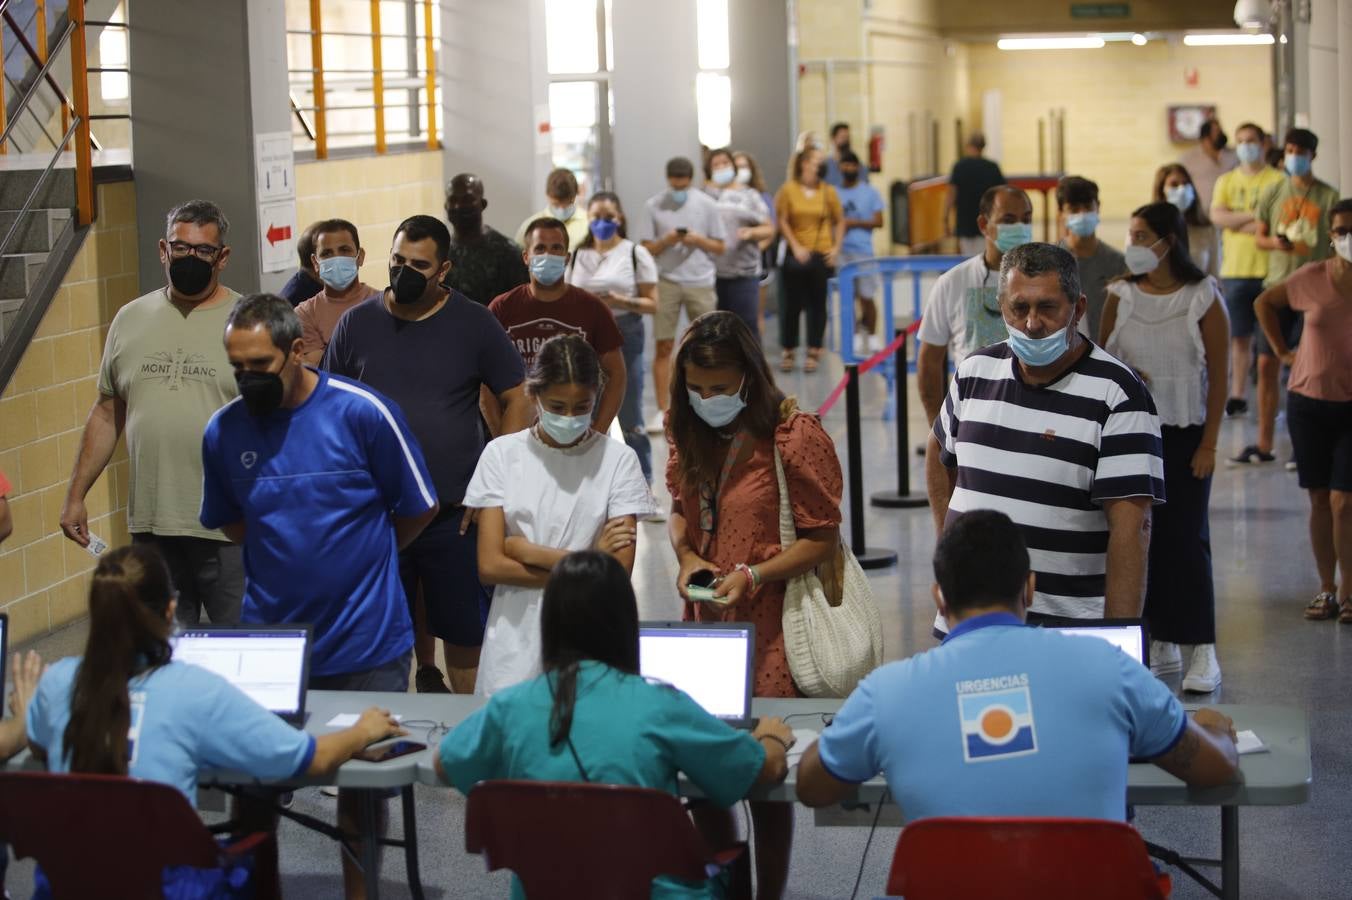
1047,859
111,836
604,842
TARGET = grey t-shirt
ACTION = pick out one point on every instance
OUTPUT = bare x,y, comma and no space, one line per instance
171,370
740,208
1095,273
682,264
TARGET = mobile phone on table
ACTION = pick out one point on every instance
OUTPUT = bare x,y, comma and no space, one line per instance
384,752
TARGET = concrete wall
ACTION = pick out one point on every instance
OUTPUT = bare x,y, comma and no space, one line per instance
761,97
198,104
44,578
1115,102
375,193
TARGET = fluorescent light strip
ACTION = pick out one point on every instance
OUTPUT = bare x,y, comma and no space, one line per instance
1051,43
1226,40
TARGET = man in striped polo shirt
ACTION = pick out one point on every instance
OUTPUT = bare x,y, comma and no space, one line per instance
1049,429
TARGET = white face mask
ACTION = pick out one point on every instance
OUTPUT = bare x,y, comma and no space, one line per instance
744,175
1343,247
1141,260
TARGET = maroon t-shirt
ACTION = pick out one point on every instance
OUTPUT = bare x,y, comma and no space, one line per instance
530,322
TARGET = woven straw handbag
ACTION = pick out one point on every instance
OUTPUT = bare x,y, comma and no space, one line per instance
830,646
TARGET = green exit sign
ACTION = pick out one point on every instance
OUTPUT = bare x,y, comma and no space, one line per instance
1100,10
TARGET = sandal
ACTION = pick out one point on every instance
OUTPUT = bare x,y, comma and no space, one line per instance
1345,611
787,361
813,360
1323,606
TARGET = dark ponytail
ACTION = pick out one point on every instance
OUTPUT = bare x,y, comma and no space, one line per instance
128,634
588,613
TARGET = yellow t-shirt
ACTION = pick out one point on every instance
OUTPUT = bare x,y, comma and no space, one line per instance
1239,191
812,219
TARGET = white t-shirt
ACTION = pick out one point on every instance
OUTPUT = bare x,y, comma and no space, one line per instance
613,270
684,264
554,497
1160,336
962,311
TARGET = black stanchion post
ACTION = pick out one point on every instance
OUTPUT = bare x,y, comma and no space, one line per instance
869,557
901,498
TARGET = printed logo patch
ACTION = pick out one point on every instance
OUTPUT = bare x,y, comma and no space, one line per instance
997,724
248,458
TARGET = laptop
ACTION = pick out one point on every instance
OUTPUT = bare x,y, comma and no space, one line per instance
1128,635
269,663
710,661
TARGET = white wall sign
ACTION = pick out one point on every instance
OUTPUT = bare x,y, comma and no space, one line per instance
275,165
277,235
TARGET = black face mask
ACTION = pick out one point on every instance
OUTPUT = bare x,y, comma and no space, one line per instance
821,171
848,176
190,275
262,391
1220,139
407,283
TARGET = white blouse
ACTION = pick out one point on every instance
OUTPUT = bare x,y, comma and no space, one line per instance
1160,335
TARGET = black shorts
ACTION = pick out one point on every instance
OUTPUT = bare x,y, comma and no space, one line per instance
1291,322
1321,436
445,564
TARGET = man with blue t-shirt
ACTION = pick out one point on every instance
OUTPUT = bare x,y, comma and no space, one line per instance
323,483
1005,719
863,207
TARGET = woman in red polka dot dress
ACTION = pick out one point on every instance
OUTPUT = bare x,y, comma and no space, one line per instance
726,419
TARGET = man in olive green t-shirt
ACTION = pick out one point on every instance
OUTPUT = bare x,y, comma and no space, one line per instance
164,374
1292,225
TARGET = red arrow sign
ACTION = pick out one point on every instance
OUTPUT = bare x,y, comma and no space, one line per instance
278,233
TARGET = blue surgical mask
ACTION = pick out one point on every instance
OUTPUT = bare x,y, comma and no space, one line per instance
1041,351
678,197
1249,152
724,176
604,229
547,268
1082,224
1011,235
565,430
338,272
562,213
1297,164
1181,196
720,409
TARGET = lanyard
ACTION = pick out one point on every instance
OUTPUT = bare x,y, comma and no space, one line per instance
708,502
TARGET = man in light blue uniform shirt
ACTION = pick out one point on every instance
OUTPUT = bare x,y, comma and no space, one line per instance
323,483
1004,719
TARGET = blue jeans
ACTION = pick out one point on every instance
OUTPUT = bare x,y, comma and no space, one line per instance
631,408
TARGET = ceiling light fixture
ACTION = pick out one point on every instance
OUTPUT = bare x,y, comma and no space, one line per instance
1226,40
1085,42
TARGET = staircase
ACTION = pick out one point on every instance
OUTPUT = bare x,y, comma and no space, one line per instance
44,228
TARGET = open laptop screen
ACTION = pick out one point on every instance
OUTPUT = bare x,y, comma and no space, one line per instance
270,664
1126,634
709,661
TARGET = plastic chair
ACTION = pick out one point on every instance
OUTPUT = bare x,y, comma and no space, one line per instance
108,835
604,842
1047,859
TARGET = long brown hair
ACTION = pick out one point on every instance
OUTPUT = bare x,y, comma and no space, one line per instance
128,635
1194,215
1167,223
712,341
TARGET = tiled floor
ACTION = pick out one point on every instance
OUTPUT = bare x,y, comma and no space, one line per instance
1269,654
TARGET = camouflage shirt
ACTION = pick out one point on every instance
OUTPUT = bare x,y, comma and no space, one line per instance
487,268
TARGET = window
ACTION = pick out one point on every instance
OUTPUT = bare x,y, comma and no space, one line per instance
579,53
713,85
352,35
113,55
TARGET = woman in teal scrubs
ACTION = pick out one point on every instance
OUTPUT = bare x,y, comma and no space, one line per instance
591,716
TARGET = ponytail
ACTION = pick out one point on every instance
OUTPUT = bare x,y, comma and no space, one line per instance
565,695
128,634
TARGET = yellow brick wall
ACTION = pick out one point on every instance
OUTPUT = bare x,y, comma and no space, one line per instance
44,578
375,193
1115,101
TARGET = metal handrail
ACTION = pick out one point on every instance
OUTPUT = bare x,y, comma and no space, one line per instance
37,189
300,116
43,73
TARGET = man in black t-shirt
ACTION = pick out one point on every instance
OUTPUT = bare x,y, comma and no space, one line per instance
484,262
971,177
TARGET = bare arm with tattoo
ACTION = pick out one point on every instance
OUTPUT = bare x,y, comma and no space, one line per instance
1205,756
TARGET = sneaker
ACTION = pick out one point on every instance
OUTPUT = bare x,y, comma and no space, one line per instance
1165,658
430,681
860,346
1204,673
1290,465
1236,406
1251,455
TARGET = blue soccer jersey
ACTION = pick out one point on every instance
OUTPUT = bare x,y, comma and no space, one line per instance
316,487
